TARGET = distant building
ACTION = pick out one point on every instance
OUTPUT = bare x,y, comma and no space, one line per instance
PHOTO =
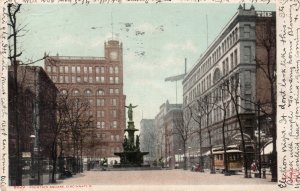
35,121
147,139
236,56
163,147
173,121
100,80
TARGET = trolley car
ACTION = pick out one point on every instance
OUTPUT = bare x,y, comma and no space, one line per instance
234,159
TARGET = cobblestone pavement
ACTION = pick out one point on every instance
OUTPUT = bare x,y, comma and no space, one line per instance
160,177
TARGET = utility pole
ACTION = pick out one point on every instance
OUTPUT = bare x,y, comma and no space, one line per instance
177,77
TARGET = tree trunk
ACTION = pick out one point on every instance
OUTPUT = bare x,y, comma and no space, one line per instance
224,144
14,63
243,143
54,159
81,153
212,162
184,156
274,136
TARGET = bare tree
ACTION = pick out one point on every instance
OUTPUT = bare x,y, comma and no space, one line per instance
16,31
77,118
266,101
198,115
13,56
233,90
266,66
84,127
90,145
207,105
183,129
224,107
58,130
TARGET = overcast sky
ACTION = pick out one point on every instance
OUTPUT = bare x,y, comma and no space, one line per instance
156,39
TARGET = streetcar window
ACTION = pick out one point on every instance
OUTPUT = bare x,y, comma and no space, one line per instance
234,157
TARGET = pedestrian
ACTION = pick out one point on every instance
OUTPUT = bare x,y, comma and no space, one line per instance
253,166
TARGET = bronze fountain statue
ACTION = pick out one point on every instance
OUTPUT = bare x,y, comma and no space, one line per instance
131,155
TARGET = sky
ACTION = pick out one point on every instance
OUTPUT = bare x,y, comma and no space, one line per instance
156,40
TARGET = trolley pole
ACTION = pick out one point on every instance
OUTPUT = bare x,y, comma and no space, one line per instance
259,146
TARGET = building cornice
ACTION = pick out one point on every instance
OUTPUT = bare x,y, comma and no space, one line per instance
240,16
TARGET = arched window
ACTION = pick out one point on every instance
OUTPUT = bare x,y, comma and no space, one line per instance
100,92
88,92
75,92
217,75
63,91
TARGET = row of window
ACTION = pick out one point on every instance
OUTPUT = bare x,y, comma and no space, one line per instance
103,136
88,92
216,134
221,50
84,79
206,82
230,157
224,46
85,69
101,113
221,94
103,125
104,102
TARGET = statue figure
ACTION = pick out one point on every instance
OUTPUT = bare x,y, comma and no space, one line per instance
125,144
130,111
137,143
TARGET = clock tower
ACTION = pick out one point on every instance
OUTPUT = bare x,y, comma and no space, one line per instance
113,51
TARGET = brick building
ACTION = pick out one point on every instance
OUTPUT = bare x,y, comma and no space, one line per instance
173,121
100,80
164,122
34,122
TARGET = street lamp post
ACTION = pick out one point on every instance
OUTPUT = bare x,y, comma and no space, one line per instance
179,156
259,143
32,179
189,157
200,144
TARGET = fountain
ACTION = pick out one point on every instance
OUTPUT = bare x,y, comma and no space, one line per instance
131,155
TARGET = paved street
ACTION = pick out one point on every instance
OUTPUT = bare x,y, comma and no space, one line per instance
160,177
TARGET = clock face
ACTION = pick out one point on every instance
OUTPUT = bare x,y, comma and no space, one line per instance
113,55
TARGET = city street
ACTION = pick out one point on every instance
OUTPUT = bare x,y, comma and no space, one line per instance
160,177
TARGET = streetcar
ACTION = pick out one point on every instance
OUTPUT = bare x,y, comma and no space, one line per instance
234,159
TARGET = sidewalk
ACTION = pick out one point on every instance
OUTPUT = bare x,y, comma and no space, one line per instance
160,177
45,179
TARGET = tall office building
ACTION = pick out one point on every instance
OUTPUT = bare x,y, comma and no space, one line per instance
100,80
239,54
147,138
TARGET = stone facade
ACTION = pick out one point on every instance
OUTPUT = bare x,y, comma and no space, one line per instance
230,59
147,138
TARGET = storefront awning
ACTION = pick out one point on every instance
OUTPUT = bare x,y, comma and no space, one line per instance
267,149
